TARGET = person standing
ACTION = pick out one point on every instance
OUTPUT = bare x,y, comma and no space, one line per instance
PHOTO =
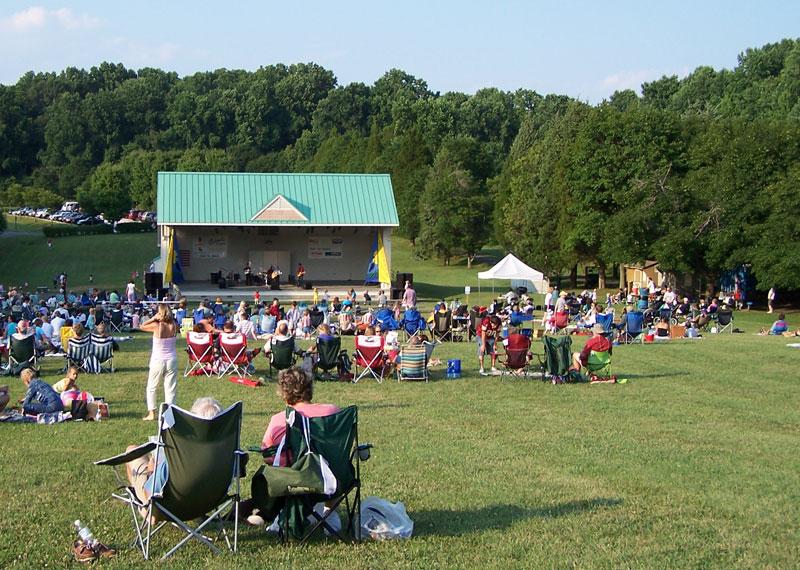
248,274
771,300
301,276
548,299
130,292
163,360
409,296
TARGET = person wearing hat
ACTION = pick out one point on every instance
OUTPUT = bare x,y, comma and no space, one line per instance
561,302
597,343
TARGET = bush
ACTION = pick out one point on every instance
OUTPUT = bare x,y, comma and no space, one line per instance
62,230
2,222
134,228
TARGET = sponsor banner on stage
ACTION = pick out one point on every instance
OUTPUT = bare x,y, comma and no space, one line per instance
325,248
210,247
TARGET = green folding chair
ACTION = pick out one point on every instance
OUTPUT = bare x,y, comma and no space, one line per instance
292,491
203,464
557,357
21,354
281,355
599,364
328,357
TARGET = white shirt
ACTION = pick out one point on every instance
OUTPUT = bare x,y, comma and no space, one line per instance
548,298
669,297
247,328
771,294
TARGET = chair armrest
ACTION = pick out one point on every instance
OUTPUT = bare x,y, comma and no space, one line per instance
128,456
268,452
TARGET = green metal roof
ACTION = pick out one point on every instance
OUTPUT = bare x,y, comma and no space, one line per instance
221,198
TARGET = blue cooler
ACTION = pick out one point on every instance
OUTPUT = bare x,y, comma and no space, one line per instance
454,368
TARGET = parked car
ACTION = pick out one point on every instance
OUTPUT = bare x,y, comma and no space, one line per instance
149,217
89,221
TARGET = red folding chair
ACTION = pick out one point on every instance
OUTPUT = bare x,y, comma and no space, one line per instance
561,322
368,356
200,348
517,352
233,354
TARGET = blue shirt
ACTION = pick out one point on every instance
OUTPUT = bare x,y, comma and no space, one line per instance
41,393
155,483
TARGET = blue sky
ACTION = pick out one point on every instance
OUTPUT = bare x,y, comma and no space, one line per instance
583,49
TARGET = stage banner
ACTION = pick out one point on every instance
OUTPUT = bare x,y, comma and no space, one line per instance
210,247
325,248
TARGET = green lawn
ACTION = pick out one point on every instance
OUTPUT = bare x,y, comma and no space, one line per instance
692,463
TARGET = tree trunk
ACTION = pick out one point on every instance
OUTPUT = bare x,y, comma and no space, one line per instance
470,259
622,283
573,277
601,275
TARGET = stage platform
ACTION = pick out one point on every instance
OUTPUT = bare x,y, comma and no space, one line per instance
198,290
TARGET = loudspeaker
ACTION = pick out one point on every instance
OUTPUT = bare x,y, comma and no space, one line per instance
162,293
153,281
396,294
402,278
307,286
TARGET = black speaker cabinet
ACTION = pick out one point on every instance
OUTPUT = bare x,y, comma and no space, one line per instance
153,281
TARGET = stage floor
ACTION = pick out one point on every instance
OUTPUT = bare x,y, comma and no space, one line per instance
196,290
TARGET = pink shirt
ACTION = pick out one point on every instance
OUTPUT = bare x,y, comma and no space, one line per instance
277,424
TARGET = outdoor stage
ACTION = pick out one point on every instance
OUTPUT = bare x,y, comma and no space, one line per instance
197,290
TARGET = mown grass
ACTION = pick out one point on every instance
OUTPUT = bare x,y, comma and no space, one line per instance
693,462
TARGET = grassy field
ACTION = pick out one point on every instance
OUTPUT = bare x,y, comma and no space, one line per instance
692,463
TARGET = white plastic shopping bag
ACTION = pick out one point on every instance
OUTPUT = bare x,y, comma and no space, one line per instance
382,520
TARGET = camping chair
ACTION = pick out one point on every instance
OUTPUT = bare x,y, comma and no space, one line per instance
21,354
317,318
599,364
607,320
102,353
561,322
385,318
117,321
724,320
187,324
334,438
413,363
203,462
557,358
633,328
233,354
99,315
79,349
328,351
516,357
369,356
200,351
412,323
281,355
443,326
346,323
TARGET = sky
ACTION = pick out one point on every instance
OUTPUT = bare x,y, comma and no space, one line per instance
583,49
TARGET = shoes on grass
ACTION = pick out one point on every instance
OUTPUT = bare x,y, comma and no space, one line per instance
103,551
83,553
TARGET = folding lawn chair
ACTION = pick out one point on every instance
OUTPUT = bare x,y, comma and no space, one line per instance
21,354
557,358
607,320
102,353
281,355
368,355
79,350
187,324
724,320
561,322
413,364
474,324
443,326
200,352
233,354
516,358
599,364
633,328
117,321
328,351
412,323
334,438
203,463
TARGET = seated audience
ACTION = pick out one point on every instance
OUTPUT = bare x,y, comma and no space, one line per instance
40,398
597,343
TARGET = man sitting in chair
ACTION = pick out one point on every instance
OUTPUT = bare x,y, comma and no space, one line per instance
143,473
597,343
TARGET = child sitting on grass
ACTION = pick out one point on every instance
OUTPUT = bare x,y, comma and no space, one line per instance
69,382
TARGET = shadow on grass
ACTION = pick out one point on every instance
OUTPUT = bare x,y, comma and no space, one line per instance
457,523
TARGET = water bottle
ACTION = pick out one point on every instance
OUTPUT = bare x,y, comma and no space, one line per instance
84,533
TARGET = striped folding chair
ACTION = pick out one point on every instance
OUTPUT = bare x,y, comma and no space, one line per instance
102,353
413,363
79,350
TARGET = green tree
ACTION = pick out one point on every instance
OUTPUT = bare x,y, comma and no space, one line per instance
106,191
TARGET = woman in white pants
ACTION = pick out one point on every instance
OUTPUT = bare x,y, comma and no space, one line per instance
163,360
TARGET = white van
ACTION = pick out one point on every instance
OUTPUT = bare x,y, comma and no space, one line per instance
71,206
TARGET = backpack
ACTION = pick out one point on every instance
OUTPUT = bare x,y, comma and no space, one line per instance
343,365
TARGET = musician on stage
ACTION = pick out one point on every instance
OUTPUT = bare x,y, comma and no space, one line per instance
301,275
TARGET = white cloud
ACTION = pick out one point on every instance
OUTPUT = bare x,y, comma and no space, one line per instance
629,79
36,17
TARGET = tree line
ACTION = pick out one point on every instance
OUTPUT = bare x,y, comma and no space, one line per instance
698,173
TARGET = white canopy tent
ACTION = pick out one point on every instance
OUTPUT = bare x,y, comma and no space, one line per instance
518,273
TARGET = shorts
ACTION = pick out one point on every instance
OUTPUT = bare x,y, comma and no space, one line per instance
490,343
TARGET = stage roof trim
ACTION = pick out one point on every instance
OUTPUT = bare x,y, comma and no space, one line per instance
275,199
